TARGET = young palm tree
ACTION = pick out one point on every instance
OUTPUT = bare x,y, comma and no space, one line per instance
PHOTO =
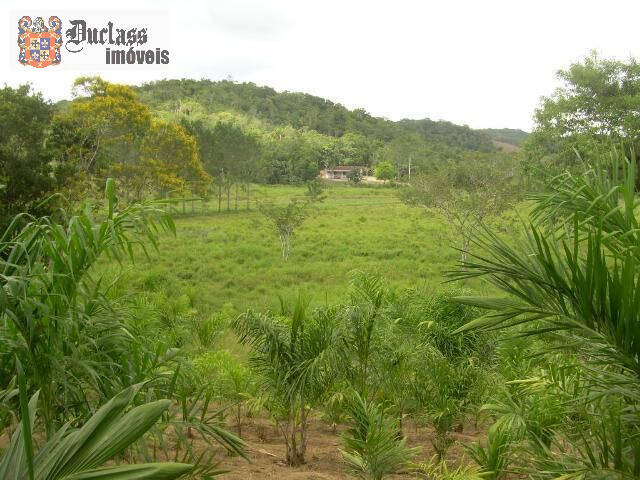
361,330
372,448
295,353
577,282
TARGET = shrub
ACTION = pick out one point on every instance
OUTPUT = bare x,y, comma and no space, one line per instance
372,447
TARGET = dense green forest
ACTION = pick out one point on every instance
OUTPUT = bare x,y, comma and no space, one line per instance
511,136
301,110
181,295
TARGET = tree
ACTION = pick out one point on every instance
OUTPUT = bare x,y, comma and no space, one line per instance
25,170
286,219
168,161
294,156
468,193
373,449
230,153
595,107
107,131
105,124
315,190
295,353
362,334
385,171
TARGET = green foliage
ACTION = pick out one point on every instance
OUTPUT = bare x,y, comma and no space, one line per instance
233,382
577,287
385,171
285,220
494,457
447,133
237,258
468,193
354,176
511,136
107,131
456,369
364,334
230,153
296,156
78,454
301,110
294,352
207,330
437,470
372,448
78,344
25,169
52,308
315,190
593,110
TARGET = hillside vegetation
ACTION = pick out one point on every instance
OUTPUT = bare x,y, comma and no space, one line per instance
301,110
511,136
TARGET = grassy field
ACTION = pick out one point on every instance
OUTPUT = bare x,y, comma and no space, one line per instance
233,259
220,264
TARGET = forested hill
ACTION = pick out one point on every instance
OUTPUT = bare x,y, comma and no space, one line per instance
512,136
303,110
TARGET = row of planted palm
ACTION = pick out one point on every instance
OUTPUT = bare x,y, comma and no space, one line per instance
377,361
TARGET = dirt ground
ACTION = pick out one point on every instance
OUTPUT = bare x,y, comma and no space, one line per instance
324,462
266,452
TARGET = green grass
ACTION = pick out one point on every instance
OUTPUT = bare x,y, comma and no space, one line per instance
233,258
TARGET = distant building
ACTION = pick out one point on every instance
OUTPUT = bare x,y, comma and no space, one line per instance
340,172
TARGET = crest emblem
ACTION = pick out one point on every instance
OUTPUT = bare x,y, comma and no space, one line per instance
39,45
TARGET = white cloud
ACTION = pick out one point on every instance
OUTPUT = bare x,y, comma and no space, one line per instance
485,64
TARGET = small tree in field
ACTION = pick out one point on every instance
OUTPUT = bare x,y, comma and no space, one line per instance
465,194
286,219
385,171
315,190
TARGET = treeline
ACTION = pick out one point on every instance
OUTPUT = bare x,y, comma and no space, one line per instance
289,137
104,132
186,137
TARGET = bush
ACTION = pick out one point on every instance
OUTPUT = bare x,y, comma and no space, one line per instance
372,447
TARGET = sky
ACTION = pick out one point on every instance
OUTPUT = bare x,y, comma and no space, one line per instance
480,63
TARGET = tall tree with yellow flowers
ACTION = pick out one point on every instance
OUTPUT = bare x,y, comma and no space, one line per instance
107,131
